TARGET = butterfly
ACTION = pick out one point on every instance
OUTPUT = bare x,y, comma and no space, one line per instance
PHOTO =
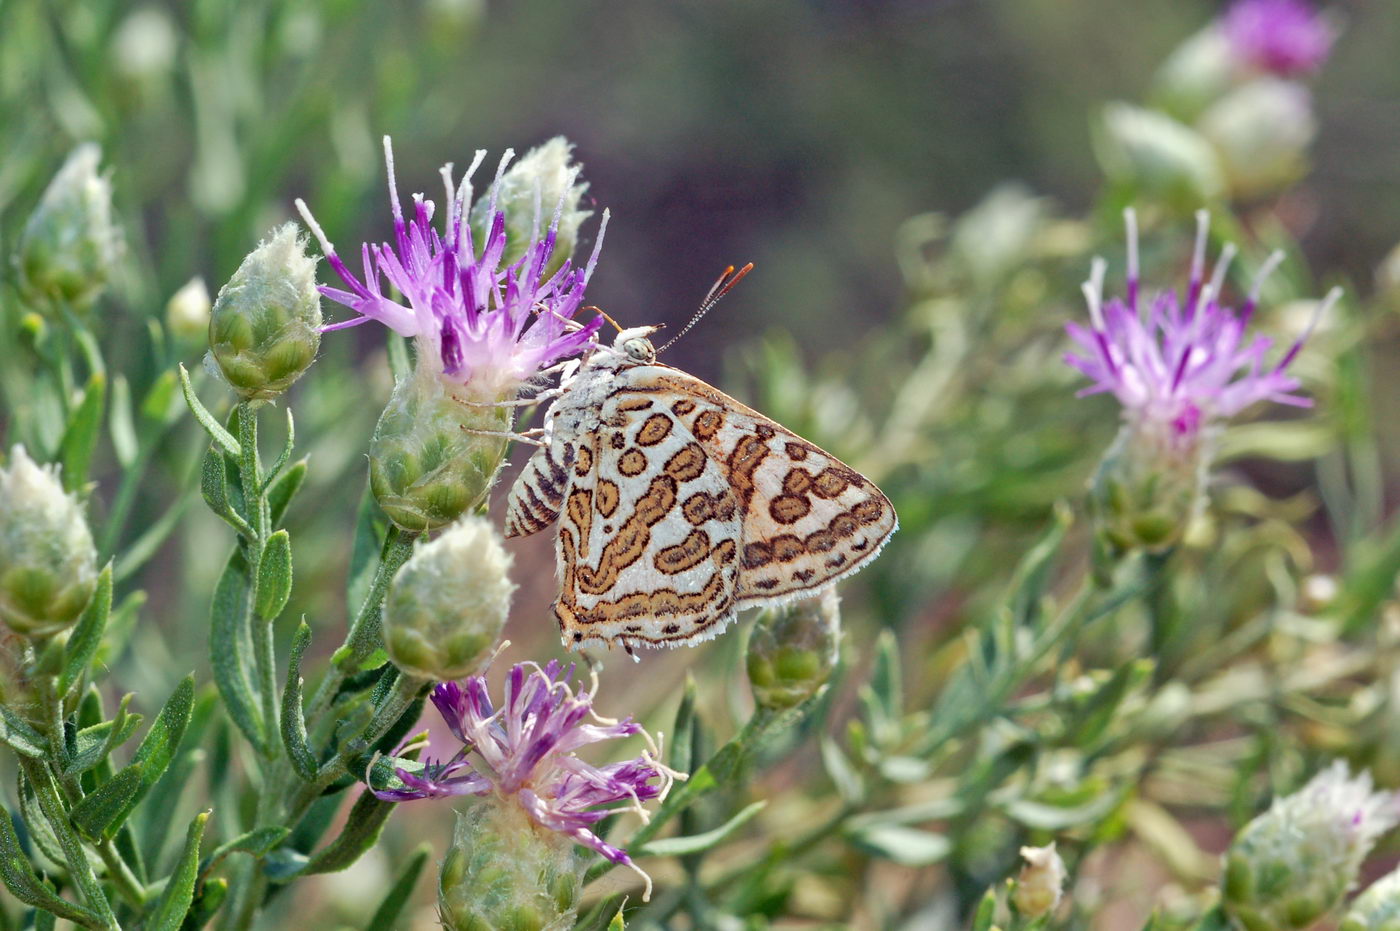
677,506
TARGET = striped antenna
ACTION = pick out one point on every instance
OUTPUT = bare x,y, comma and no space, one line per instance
722,286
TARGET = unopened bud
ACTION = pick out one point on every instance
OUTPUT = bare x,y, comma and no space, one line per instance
1294,863
1151,483
48,565
1158,156
266,324
1195,75
792,651
1376,909
70,246
1261,132
544,180
1039,887
449,603
505,871
187,311
425,468
145,45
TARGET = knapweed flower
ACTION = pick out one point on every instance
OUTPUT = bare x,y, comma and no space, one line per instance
1178,365
1294,863
70,245
523,753
48,564
449,602
1283,37
483,323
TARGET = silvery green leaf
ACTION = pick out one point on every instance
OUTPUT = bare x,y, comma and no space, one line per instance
87,635
24,884
293,720
698,843
231,648
903,845
843,774
361,831
207,420
80,436
986,911
97,816
16,734
119,423
274,576
170,909
281,491
160,744
93,744
386,916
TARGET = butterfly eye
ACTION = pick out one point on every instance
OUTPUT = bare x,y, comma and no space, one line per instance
639,349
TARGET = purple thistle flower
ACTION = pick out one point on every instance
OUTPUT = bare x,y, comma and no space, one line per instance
1182,362
1283,37
493,325
524,751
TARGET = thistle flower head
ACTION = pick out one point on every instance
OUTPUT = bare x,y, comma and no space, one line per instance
479,320
1182,361
524,752
1291,865
1283,37
71,243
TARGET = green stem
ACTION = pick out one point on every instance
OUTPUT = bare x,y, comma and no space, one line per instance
73,852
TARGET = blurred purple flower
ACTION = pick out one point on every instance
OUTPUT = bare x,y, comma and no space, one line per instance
1283,37
484,322
1184,363
524,751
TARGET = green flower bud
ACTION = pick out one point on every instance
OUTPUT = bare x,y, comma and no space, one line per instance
506,873
48,565
1195,75
1038,889
449,603
70,246
187,311
425,469
792,651
1376,909
266,324
1294,863
1261,132
528,194
1151,484
1158,156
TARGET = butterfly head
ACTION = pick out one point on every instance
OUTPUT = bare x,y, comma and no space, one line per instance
634,346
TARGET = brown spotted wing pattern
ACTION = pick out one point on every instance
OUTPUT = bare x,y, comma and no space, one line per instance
684,506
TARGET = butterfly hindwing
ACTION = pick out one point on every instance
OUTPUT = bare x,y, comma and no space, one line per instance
538,494
649,538
808,519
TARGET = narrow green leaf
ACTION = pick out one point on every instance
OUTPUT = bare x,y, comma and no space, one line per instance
206,420
258,843
16,734
282,457
87,635
274,576
386,916
683,734
699,843
843,775
161,741
159,403
24,884
902,845
207,900
119,423
231,649
885,684
293,720
80,436
213,485
174,903
364,553
281,491
362,827
617,923
986,911
96,815
283,864
93,744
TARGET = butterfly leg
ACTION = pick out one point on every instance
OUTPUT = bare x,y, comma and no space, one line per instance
518,402
529,436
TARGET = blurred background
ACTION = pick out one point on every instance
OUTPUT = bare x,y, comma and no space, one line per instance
822,140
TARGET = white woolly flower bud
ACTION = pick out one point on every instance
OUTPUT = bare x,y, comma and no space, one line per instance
1376,909
265,327
1151,483
1261,132
505,871
70,245
48,565
1294,863
792,650
1196,74
1159,156
1041,883
187,311
544,180
449,603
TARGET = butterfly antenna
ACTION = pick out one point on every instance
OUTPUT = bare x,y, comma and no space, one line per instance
599,311
722,286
